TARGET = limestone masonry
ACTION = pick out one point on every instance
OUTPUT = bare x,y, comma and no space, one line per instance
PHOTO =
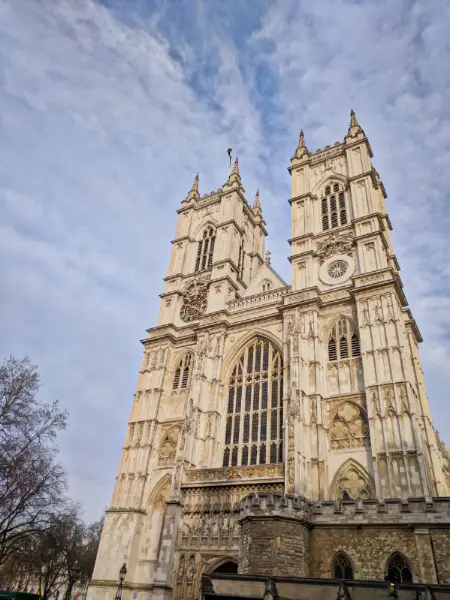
281,430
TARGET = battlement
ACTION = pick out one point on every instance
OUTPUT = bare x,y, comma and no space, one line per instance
392,510
275,504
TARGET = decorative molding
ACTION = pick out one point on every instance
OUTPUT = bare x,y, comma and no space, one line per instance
335,243
233,473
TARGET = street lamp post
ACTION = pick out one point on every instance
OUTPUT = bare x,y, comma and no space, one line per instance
122,573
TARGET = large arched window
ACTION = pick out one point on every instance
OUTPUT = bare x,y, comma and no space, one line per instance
334,212
181,377
398,570
342,567
343,342
254,427
205,250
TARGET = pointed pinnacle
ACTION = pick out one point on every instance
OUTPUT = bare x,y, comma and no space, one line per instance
194,187
236,167
301,141
257,203
353,120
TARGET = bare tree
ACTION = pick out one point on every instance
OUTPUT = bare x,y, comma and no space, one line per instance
80,555
32,483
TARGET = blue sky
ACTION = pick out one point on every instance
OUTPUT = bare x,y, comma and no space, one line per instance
107,111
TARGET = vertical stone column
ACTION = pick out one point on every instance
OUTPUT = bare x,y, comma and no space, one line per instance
274,535
163,587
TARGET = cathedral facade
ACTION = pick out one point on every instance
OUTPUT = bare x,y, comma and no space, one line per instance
258,399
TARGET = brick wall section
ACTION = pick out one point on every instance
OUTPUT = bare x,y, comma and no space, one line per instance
274,546
441,545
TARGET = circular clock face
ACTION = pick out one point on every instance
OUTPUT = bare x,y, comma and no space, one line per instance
337,269
193,308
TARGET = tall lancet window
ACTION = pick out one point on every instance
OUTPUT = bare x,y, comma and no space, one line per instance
182,372
254,426
205,250
241,260
343,342
334,211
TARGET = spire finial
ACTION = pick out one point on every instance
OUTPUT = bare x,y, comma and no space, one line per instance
256,208
193,192
267,257
301,141
194,187
354,127
302,150
234,177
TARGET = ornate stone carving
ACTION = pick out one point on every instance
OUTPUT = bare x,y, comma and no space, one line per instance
195,301
181,569
260,471
336,243
375,404
302,296
352,482
349,428
190,571
168,448
389,401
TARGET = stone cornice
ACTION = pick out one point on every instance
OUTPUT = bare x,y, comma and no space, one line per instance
412,323
138,511
169,332
357,142
182,239
361,176
303,197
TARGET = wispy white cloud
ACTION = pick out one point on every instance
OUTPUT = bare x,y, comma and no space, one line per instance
108,111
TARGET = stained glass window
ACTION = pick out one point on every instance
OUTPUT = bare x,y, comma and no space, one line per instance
256,377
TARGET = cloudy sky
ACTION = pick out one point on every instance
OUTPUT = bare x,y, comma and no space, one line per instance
107,111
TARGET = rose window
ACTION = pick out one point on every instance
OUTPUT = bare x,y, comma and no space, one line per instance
337,269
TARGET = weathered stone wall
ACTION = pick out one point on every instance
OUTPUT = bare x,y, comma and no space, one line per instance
285,535
274,535
441,544
274,546
368,549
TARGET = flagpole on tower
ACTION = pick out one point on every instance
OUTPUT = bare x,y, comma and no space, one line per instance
230,150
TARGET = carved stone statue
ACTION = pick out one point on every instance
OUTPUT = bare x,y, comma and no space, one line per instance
168,448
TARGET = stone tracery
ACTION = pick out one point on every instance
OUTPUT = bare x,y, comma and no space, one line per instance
350,428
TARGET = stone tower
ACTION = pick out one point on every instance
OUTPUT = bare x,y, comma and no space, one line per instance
251,386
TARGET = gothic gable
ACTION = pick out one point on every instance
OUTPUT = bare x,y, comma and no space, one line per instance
265,280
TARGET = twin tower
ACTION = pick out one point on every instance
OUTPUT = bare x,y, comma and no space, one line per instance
250,387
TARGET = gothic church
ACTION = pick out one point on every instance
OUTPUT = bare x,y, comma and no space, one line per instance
281,429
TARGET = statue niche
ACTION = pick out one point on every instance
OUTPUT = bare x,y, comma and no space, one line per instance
168,450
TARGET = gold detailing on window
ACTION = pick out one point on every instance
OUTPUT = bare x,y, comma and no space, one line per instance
254,426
